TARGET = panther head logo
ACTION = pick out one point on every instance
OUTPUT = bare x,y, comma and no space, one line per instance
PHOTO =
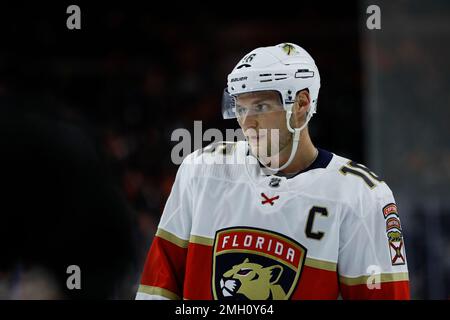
253,281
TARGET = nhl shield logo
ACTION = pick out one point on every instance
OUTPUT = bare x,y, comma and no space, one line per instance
275,182
255,264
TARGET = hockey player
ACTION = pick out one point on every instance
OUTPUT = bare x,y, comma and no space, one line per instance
275,217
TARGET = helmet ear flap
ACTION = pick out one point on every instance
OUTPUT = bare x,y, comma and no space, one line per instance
280,97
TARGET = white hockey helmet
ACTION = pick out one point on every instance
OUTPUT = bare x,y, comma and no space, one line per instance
286,68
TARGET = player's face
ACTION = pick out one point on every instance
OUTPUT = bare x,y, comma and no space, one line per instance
263,120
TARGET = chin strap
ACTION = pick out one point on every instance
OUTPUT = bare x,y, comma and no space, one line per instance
296,139
295,144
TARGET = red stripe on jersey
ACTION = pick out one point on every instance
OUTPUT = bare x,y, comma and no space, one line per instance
317,284
165,266
395,290
168,267
198,272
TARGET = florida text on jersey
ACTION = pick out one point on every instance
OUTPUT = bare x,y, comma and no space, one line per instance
229,232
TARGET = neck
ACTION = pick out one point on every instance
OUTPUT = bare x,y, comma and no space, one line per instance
305,154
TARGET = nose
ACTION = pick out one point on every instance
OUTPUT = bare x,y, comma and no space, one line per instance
248,122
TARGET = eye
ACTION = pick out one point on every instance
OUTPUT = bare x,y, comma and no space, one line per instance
243,272
261,107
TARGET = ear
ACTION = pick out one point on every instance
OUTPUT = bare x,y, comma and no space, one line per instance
275,273
301,105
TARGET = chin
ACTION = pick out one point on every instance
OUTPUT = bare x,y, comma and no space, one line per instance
262,156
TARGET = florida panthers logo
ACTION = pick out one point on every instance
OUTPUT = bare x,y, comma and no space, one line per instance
255,264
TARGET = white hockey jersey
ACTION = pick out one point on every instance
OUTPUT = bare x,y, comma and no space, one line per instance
230,232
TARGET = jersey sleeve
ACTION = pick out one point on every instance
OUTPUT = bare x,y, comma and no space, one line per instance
372,259
163,274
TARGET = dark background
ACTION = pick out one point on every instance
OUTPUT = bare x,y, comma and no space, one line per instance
87,116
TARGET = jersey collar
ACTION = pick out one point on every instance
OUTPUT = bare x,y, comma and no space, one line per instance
323,159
